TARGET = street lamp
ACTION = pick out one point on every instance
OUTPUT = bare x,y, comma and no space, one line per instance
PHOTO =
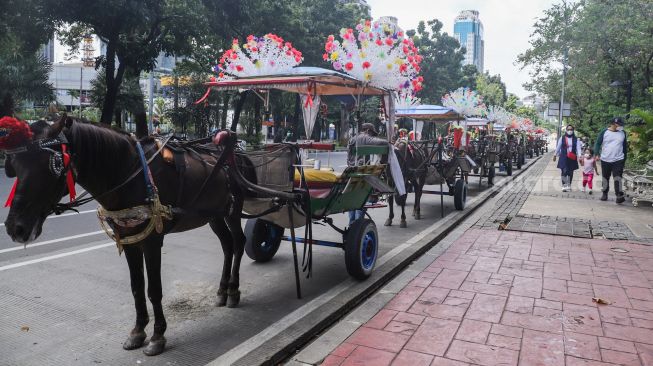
629,92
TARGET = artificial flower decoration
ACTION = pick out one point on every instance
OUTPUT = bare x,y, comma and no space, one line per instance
265,55
465,102
377,52
13,133
498,114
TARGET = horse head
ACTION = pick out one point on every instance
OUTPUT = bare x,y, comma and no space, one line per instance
35,159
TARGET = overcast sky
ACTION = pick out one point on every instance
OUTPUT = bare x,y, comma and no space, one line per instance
507,25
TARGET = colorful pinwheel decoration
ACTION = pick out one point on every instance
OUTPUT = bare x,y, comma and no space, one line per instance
498,114
379,53
465,102
265,55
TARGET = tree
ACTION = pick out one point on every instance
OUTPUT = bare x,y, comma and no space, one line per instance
469,76
129,98
134,32
442,59
491,88
23,74
601,42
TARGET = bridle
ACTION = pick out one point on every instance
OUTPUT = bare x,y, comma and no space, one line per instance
59,166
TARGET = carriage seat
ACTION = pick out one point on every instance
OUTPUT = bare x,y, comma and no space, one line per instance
319,181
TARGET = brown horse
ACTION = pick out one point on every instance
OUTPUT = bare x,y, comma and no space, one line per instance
105,163
412,160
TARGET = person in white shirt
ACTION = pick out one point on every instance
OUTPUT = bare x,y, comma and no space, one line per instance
612,149
568,151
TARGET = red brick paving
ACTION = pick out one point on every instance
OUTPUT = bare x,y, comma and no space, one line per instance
509,298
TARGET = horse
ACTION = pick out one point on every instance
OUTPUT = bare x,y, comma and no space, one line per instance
108,165
412,160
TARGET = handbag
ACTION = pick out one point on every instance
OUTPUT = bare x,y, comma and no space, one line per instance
570,155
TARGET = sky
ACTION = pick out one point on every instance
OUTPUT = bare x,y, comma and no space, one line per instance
507,25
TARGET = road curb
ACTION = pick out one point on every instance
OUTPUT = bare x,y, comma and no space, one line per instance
283,344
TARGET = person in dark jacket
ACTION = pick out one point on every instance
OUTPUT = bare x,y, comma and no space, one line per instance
568,151
612,149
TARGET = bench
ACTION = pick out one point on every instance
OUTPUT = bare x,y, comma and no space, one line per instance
638,184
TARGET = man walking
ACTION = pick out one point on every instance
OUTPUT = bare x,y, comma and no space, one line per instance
612,149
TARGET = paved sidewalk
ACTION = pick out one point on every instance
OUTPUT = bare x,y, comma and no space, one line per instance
508,298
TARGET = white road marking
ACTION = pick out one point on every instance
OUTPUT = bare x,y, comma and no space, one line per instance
43,259
53,241
63,215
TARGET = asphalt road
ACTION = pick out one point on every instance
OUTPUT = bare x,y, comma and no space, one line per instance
66,298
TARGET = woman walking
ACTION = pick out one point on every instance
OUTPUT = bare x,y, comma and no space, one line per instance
569,149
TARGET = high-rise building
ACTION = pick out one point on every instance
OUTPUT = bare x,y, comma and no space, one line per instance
468,29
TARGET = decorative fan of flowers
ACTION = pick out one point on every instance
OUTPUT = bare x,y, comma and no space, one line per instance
498,114
265,55
526,124
465,102
379,53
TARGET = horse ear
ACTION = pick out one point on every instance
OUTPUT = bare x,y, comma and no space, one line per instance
57,127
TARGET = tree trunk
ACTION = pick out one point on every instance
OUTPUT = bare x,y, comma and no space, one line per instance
238,109
141,124
7,105
118,118
113,80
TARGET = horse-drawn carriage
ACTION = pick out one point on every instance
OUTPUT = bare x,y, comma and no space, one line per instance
441,162
290,195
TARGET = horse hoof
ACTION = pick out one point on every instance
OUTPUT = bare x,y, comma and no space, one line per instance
134,341
222,300
155,347
418,216
388,222
233,300
403,225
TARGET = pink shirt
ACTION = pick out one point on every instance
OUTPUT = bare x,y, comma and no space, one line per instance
588,165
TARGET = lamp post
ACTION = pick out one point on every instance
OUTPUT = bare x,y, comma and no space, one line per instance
629,92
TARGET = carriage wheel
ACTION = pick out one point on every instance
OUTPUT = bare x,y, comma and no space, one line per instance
490,175
263,239
361,248
460,194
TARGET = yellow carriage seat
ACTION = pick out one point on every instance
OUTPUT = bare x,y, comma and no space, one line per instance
318,179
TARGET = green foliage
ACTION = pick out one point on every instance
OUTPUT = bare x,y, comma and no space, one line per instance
491,88
469,76
641,138
604,41
511,103
129,98
442,59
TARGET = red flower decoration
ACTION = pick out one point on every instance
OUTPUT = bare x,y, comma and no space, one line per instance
13,133
349,66
366,65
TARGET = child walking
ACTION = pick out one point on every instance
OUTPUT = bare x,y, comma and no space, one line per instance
589,169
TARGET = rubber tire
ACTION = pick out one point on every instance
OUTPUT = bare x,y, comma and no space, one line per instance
262,239
359,266
509,168
460,194
519,161
490,175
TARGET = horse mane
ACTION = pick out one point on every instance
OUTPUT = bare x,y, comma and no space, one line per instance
102,149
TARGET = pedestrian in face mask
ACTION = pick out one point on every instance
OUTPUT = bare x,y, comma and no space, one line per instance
612,149
568,151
